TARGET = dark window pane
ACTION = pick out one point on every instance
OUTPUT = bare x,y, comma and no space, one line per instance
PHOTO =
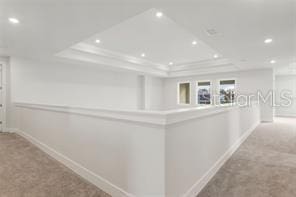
203,92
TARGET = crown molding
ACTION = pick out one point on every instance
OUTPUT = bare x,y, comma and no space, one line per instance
84,47
202,67
85,52
203,70
110,63
200,64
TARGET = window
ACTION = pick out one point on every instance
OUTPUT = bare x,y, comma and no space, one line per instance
203,93
227,91
184,93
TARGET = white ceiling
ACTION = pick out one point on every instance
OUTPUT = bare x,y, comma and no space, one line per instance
160,39
50,26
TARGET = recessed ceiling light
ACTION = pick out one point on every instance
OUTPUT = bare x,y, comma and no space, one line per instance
159,14
272,61
143,54
171,63
194,42
14,20
98,41
268,40
216,56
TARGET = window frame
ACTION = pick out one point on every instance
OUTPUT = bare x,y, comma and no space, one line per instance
196,92
178,93
235,89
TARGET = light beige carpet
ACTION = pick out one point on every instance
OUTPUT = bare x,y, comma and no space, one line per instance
25,171
264,166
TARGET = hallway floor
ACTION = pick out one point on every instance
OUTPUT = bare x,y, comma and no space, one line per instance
26,171
264,166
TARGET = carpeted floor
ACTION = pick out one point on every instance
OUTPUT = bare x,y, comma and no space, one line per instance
264,166
25,171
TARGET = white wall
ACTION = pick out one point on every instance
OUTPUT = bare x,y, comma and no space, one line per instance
82,86
247,82
121,157
285,83
88,86
73,85
154,93
4,93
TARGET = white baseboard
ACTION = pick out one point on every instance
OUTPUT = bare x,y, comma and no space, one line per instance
201,183
90,176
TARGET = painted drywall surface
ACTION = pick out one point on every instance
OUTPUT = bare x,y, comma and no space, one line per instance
285,83
129,155
82,86
247,83
72,85
193,147
4,93
154,93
